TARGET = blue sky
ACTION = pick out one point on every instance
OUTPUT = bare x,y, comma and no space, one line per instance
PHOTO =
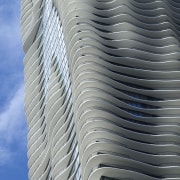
13,130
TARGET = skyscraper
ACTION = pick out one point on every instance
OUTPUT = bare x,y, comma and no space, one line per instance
102,88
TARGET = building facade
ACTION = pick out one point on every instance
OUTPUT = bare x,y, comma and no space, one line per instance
102,89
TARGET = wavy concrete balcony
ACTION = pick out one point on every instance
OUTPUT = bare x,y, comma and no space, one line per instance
102,89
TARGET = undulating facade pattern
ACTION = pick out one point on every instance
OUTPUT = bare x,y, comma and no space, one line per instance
102,89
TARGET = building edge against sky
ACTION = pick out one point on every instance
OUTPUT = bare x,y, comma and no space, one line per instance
102,85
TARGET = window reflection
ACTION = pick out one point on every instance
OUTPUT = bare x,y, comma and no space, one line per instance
53,48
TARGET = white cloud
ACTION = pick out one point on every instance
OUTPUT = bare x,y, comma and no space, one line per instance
12,125
12,121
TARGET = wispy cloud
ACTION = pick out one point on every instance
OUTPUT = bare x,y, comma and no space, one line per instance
12,126
11,54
